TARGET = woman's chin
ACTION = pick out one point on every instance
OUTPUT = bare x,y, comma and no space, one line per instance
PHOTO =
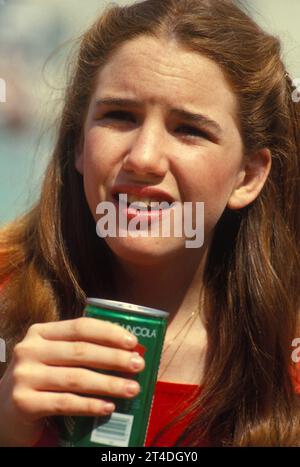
145,250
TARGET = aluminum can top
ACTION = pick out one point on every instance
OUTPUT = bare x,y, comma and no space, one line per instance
122,306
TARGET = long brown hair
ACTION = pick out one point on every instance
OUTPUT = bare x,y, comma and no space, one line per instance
252,275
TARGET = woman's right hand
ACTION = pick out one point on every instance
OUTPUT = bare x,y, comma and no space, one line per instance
51,373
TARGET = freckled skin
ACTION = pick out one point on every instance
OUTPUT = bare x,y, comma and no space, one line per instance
150,149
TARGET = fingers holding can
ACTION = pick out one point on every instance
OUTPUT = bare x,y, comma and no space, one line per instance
87,329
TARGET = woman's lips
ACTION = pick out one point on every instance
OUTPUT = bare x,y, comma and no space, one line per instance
131,212
143,192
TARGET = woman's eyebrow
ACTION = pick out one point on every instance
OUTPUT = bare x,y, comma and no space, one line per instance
181,113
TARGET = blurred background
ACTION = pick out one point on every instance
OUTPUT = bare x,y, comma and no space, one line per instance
36,37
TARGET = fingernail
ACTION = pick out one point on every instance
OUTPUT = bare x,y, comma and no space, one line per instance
109,407
132,388
136,361
130,341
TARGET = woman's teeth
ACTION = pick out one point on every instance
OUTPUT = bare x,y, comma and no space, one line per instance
142,203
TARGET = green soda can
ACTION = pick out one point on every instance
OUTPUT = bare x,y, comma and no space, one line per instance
127,425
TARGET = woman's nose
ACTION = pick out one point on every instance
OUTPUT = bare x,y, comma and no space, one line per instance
146,154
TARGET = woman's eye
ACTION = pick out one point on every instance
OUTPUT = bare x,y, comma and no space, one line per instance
118,115
189,131
193,132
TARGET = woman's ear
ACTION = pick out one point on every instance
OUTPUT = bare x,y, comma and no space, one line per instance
251,179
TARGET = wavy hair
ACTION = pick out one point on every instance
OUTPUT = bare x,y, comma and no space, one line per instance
54,259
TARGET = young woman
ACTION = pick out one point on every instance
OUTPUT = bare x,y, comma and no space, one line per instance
181,101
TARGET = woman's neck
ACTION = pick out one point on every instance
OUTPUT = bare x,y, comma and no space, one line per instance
173,285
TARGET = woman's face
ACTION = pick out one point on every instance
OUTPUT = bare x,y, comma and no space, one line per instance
148,140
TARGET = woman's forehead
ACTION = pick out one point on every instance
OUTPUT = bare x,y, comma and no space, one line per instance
156,60
155,71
